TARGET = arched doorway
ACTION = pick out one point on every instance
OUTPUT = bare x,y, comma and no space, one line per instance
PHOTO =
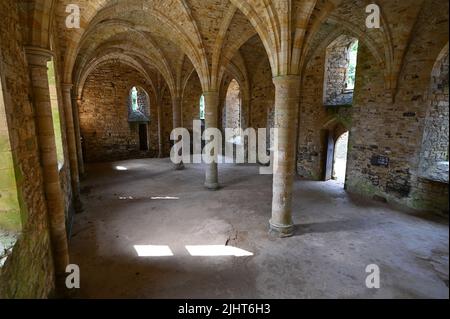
340,158
139,114
335,150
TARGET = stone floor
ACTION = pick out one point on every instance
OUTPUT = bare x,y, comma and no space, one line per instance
146,202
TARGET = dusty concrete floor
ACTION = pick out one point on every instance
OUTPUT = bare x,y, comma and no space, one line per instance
337,236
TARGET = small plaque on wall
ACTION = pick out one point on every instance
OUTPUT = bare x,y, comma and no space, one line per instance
380,160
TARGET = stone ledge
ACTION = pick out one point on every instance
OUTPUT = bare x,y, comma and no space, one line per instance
438,172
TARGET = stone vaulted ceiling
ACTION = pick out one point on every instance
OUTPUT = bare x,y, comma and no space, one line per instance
162,34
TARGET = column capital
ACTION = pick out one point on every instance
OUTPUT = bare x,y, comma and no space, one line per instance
38,56
286,79
211,93
176,99
67,87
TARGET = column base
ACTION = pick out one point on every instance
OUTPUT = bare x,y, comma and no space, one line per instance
179,167
281,231
212,186
78,206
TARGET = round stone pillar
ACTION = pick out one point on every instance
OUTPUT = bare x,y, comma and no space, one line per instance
211,121
71,143
176,110
76,123
160,126
37,61
287,97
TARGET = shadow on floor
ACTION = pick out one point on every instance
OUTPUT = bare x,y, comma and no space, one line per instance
332,227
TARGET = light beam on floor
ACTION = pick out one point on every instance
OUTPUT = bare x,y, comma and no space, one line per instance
165,198
126,198
153,251
217,250
121,168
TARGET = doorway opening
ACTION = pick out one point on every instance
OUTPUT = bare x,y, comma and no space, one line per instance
143,137
340,158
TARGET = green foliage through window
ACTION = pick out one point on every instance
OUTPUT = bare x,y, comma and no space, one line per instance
351,72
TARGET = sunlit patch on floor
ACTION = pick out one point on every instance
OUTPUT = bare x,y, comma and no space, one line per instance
121,168
217,250
164,198
153,251
126,197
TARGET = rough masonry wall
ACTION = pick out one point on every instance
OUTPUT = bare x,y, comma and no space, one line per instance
107,134
28,272
262,101
380,128
316,120
395,130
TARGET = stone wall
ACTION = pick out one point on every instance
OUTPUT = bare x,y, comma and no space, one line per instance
382,128
394,129
317,121
28,272
262,101
107,134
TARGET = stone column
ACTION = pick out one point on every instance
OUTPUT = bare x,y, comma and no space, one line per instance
71,143
287,98
76,123
211,121
160,126
176,110
37,61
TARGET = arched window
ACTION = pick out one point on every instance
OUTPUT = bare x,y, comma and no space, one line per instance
55,112
138,105
10,212
202,107
340,71
434,157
